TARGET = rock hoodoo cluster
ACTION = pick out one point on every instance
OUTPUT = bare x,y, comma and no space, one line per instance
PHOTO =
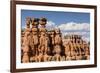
40,45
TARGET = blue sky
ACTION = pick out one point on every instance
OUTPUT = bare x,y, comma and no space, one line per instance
66,21
57,17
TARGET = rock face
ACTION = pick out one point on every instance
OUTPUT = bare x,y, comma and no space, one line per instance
40,45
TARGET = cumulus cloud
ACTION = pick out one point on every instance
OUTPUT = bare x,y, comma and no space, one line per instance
82,29
50,25
74,26
70,28
23,26
87,39
85,35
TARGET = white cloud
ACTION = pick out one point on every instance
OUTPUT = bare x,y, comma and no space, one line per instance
77,29
50,25
87,39
23,26
74,26
83,33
